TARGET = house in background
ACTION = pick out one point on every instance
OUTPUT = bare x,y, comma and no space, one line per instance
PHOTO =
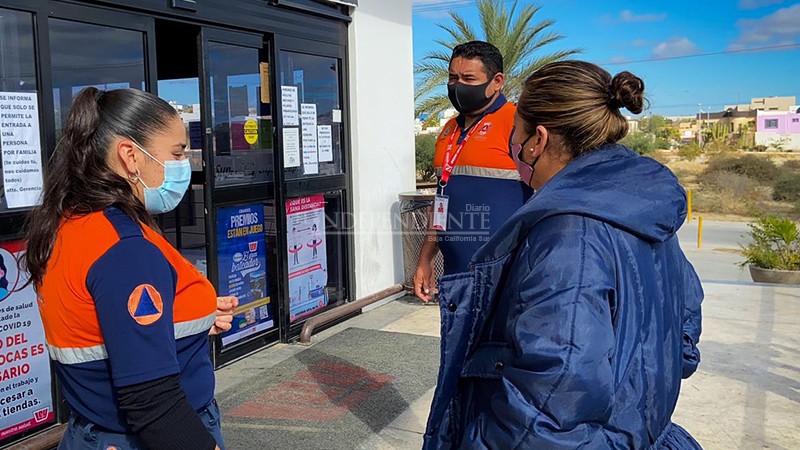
779,129
688,130
765,104
739,124
772,103
633,124
741,119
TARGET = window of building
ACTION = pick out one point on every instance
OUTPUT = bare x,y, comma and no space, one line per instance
21,163
241,116
316,80
86,55
771,123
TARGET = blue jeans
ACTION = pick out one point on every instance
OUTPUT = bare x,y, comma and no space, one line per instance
85,436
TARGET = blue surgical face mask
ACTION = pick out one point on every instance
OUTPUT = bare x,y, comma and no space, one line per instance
165,198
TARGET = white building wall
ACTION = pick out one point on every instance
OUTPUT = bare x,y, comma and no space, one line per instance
382,118
790,141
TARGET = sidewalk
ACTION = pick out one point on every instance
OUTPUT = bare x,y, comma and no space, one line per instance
400,428
746,394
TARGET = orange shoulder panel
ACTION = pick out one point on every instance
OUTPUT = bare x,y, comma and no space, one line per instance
441,142
67,309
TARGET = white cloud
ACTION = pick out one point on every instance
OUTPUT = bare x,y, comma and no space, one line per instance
675,46
641,43
755,4
629,16
618,59
780,27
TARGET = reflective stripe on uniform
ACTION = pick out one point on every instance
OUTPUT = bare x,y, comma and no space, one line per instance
483,172
98,352
78,355
192,327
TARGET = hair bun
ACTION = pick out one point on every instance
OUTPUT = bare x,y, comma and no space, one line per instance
627,90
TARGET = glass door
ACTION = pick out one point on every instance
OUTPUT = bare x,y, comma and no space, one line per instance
315,208
238,136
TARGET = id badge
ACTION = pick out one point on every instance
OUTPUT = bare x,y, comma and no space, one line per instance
440,212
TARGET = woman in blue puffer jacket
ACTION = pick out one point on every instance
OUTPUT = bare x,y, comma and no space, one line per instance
577,321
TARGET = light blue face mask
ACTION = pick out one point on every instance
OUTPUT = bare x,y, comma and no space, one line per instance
165,198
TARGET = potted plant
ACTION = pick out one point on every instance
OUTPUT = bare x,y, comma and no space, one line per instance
773,255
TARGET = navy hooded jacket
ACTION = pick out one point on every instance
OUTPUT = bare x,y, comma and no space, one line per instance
577,321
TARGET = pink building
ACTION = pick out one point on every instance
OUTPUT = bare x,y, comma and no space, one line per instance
779,129
774,123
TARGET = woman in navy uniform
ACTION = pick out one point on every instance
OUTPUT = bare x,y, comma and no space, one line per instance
126,317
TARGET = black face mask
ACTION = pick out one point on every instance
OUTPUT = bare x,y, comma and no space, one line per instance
467,98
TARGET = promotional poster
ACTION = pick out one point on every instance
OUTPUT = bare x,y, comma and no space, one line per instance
26,399
242,267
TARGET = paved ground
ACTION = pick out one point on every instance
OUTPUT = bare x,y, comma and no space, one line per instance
746,394
715,234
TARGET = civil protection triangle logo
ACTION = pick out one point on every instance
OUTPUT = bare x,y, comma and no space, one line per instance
145,304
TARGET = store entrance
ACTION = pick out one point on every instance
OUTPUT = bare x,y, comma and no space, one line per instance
218,81
179,84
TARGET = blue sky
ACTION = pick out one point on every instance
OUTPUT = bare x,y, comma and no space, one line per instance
628,35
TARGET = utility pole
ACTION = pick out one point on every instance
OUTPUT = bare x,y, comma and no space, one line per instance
700,125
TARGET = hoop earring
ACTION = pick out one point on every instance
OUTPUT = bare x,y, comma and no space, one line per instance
135,178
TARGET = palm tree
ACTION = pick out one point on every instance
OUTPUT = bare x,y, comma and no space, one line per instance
516,35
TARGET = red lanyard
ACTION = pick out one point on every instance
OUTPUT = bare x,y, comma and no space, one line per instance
450,163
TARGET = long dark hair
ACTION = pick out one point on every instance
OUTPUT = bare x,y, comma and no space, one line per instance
79,178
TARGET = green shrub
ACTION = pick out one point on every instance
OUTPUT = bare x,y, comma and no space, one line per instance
787,188
730,193
662,144
723,202
641,143
690,151
718,147
775,244
751,166
425,146
740,186
760,148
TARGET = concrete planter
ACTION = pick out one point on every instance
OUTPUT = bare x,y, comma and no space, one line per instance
760,275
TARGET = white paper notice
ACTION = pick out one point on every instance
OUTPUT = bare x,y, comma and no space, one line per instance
21,147
325,142
308,117
289,106
337,116
291,147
